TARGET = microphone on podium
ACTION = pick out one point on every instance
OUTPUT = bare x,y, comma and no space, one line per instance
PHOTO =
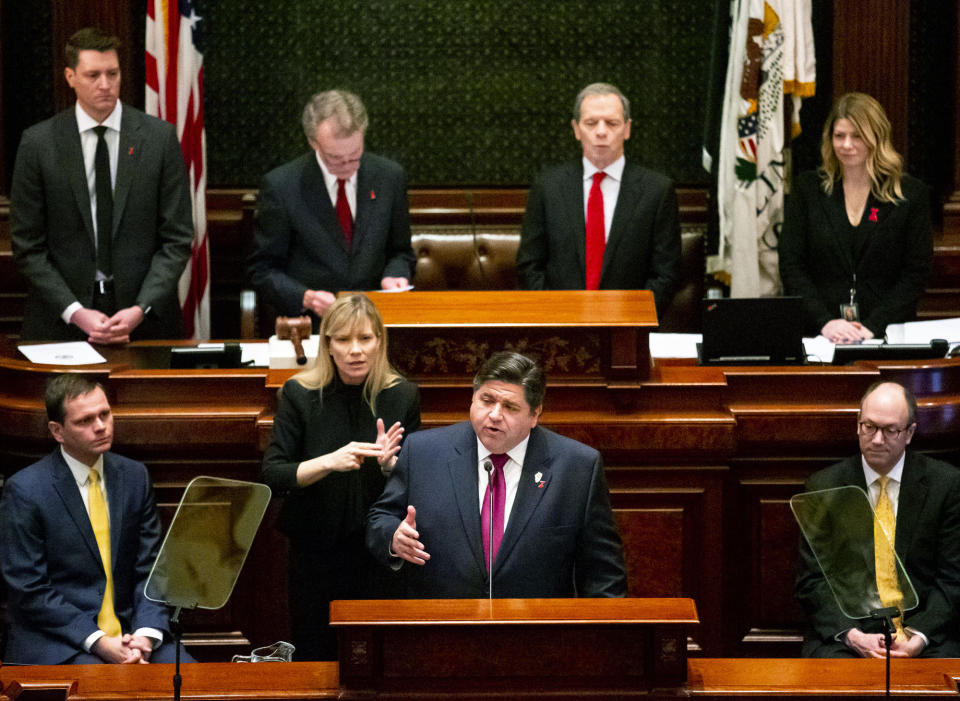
488,466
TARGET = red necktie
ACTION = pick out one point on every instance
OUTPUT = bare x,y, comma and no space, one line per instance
596,239
499,497
343,211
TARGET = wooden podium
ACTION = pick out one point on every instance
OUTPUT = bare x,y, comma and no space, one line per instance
575,334
516,648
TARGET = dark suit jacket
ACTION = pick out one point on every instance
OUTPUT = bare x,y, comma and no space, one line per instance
642,251
927,542
51,564
560,539
892,256
51,227
298,244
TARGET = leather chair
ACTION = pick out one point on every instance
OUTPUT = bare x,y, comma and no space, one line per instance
459,258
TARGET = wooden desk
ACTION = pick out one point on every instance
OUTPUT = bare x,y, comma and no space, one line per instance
578,335
707,680
801,679
701,463
529,648
263,681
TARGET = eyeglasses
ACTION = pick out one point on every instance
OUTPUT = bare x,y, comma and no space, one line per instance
889,432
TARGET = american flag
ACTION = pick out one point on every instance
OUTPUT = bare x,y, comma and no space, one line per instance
175,94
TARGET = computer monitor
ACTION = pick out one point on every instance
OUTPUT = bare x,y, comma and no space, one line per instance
752,331
214,355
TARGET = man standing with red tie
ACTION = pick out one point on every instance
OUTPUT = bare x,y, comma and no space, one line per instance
335,218
543,496
604,222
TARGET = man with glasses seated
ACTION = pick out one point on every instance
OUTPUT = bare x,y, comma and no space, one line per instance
335,218
924,496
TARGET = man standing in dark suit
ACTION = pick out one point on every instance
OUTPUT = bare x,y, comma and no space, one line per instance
100,216
543,496
333,219
924,497
604,222
61,519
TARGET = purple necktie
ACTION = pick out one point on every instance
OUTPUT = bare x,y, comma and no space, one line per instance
499,489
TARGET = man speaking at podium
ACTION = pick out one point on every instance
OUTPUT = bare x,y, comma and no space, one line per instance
553,533
918,499
60,520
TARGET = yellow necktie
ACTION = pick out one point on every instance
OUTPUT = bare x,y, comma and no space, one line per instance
884,537
106,620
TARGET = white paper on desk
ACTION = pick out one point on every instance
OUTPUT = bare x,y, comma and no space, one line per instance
72,353
255,355
674,345
398,289
924,331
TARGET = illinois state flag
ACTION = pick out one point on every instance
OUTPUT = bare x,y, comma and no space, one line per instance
771,57
175,93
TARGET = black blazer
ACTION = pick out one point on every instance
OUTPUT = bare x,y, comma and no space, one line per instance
927,541
892,256
642,251
51,563
298,243
560,540
312,422
51,227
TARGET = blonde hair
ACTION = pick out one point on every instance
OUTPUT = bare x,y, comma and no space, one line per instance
347,314
884,164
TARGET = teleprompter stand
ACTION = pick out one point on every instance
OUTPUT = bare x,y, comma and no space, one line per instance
205,548
839,526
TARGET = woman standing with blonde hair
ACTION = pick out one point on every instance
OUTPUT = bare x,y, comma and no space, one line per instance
857,243
336,435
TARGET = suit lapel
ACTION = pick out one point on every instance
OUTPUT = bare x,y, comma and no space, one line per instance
128,159
631,189
366,193
66,486
876,214
913,496
316,200
116,487
573,203
466,489
854,474
70,156
530,492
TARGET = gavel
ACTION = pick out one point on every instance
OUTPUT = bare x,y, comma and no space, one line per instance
294,329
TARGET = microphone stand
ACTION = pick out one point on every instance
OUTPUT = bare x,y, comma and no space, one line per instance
488,466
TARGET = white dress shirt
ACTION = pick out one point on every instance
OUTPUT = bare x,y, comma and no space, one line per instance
894,478
511,475
609,186
350,186
88,145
